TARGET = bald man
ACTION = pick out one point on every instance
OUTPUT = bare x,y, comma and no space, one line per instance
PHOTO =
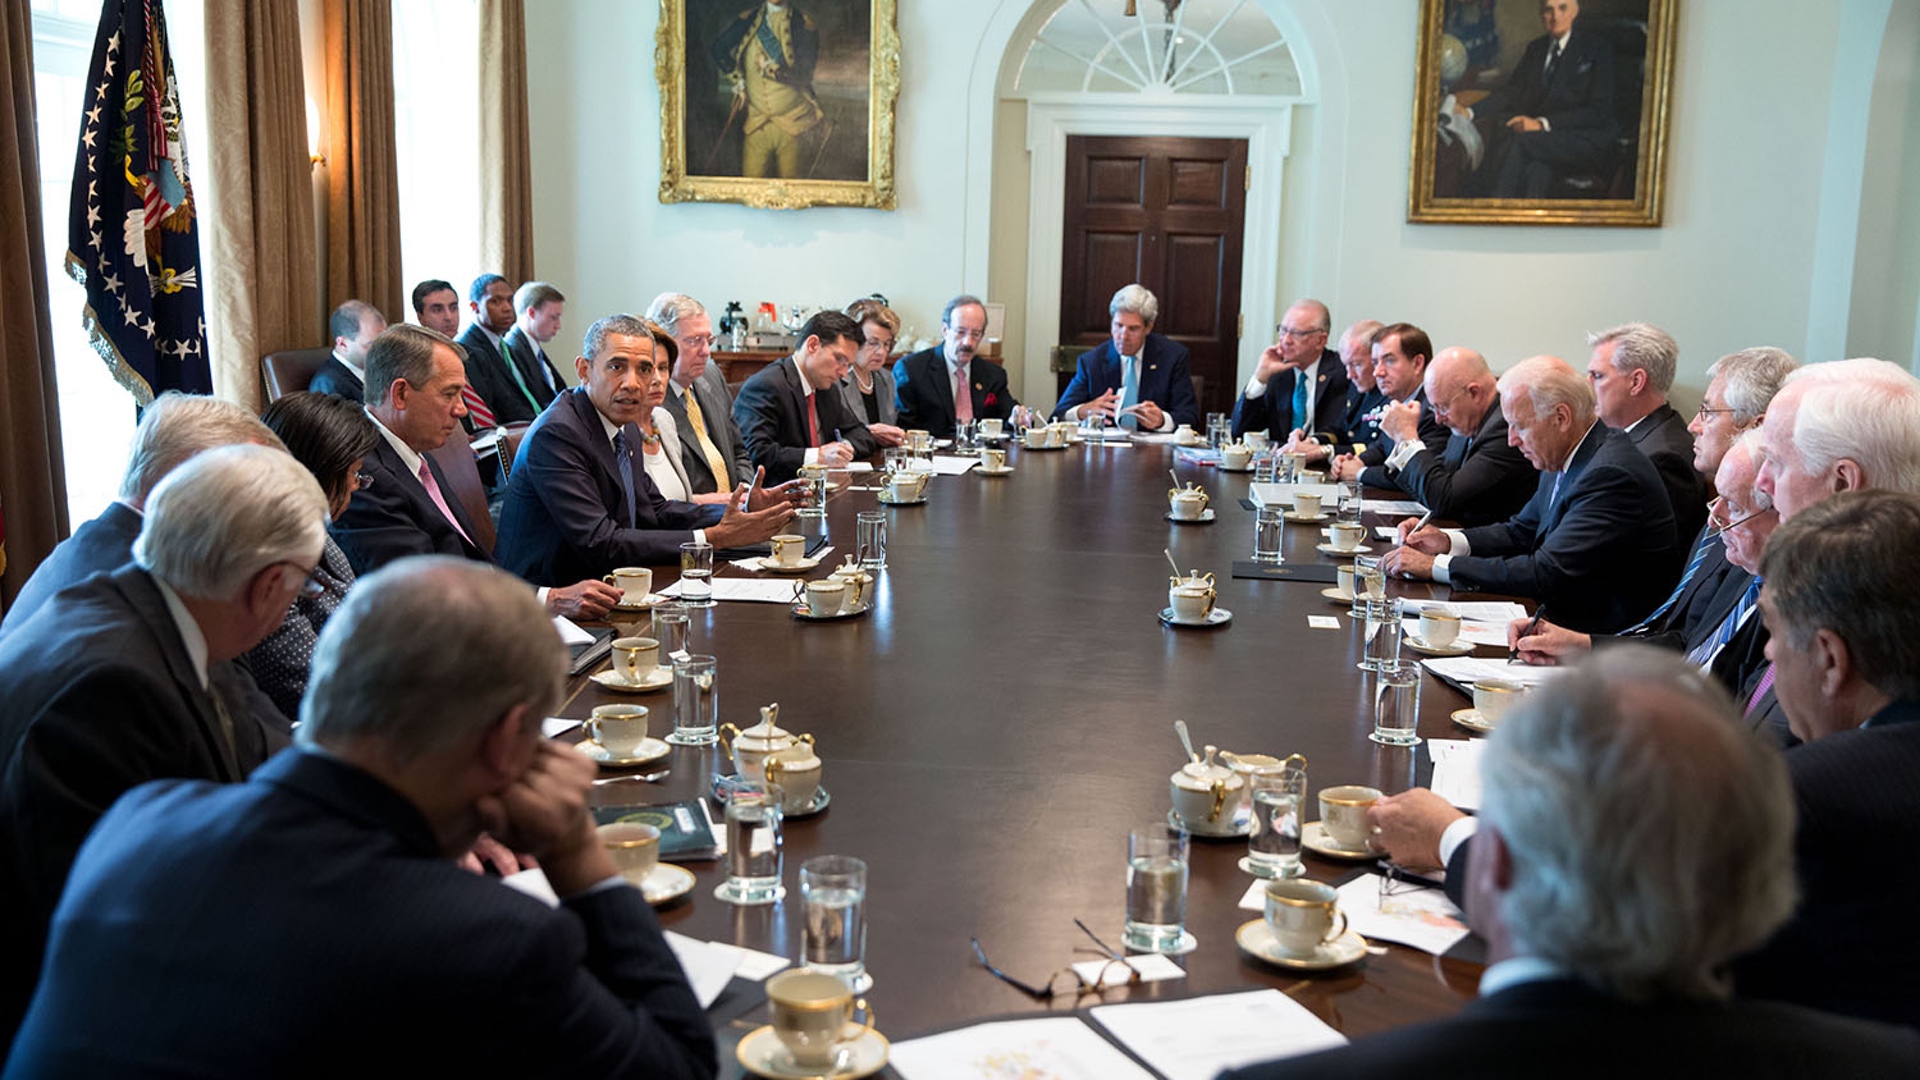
1479,479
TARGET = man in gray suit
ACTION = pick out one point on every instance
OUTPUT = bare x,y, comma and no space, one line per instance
711,450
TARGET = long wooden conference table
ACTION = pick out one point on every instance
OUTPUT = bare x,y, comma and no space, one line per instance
1004,715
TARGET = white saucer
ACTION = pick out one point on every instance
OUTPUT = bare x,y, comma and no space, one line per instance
1471,720
1205,518
762,1054
988,470
1304,520
666,884
1190,443
805,564
1224,467
1329,549
890,501
649,750
641,604
1256,940
1247,865
1337,594
802,611
1313,837
661,678
1219,616
1235,827
821,800
1422,645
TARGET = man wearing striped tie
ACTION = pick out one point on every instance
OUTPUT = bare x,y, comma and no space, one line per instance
711,449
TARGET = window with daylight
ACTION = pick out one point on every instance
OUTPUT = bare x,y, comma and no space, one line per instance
1159,47
436,128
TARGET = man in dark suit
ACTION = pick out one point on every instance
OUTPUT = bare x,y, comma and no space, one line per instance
1401,353
924,381
1632,369
129,677
312,922
1555,113
416,379
1595,544
711,449
1361,405
538,308
1479,478
580,503
354,325
1299,383
1632,842
436,306
488,370
1136,378
790,414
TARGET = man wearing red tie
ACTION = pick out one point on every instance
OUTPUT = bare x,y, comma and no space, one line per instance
785,419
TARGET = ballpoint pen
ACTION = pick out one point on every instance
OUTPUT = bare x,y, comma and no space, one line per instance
1513,654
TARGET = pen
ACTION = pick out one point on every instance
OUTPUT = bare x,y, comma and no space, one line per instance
1513,654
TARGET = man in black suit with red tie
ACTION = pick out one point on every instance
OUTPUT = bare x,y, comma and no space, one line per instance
924,381
1299,384
789,414
1555,113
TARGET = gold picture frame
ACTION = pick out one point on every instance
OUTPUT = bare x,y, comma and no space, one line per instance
1604,164
819,122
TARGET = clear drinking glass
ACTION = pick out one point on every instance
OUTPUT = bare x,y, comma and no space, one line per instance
813,492
1157,889
1349,507
1396,703
1217,430
1269,525
753,846
1273,847
1383,629
671,624
696,701
833,930
696,574
1369,583
870,539
1266,466
966,434
1093,426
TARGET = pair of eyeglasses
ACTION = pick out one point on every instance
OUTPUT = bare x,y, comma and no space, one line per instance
362,481
874,343
698,341
311,587
1067,980
1717,511
1283,330
1703,414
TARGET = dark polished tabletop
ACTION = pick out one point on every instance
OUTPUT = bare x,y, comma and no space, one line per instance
1004,715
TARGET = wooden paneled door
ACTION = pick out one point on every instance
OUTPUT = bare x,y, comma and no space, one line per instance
1169,214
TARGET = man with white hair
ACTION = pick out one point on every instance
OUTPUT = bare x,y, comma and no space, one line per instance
1299,383
1841,426
311,922
1596,543
1632,843
129,677
1136,378
1360,406
1632,371
1479,478
711,448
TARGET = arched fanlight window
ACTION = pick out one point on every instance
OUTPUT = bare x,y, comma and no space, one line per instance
1159,47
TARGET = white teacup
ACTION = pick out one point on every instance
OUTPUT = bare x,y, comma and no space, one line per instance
635,658
619,729
1236,455
1343,577
634,583
992,428
1345,535
1037,437
1493,697
825,597
789,549
995,458
634,848
1343,810
811,1015
1184,433
1257,440
1306,504
1061,432
1303,915
1438,628
919,440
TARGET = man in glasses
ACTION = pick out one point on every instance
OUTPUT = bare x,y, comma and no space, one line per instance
711,448
1299,384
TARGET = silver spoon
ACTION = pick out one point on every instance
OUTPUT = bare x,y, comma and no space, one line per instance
1186,740
651,777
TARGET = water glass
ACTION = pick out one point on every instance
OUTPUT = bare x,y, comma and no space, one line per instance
1383,628
753,845
1157,889
696,701
897,458
1273,847
1396,703
1349,505
1266,467
813,492
696,574
1093,426
1289,468
870,539
1369,583
833,930
966,434
1269,524
671,624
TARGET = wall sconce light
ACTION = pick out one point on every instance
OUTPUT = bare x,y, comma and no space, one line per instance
313,134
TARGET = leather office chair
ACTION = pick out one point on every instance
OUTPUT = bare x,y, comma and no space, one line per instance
291,370
463,478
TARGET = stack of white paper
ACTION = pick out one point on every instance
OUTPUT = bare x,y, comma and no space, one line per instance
1196,1038
1052,1047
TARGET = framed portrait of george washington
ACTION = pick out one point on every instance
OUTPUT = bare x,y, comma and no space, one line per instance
1541,112
781,106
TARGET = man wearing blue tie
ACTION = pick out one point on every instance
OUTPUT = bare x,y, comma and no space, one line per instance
1138,378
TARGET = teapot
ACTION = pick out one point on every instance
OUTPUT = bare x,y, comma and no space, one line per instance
857,582
1188,502
1191,598
1202,792
751,748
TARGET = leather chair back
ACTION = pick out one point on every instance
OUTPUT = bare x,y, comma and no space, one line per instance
291,371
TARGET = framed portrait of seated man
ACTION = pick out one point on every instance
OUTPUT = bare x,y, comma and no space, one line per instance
780,105
1541,112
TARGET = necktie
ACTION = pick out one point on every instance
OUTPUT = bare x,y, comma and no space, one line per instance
1129,389
813,419
962,397
623,458
433,492
716,461
1760,691
477,410
1704,653
1553,61
229,746
519,380
546,369
1302,402
1693,565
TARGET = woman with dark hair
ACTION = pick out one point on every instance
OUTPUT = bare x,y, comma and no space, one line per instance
331,436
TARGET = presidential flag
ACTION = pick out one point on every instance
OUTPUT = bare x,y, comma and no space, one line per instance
130,232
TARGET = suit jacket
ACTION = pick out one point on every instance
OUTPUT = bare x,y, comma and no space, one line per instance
1272,411
1432,433
394,517
535,366
1475,481
1849,948
923,392
1600,556
566,511
1679,627
771,412
1164,379
338,379
101,696
1566,1030
488,375
716,408
1664,438
1577,101
883,396
104,543
306,924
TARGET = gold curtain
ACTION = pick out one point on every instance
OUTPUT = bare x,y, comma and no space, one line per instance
363,185
506,167
33,487
263,237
